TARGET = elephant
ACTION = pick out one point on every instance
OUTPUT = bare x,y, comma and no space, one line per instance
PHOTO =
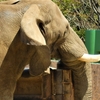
33,32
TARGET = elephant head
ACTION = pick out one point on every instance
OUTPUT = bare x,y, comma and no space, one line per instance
40,27
56,32
40,32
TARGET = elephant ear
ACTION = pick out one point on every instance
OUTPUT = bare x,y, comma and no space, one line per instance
31,33
40,60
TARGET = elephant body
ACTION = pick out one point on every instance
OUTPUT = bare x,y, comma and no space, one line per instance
32,32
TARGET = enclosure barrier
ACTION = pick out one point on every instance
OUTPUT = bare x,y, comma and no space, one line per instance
54,86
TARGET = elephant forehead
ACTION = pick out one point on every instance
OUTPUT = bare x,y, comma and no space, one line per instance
52,17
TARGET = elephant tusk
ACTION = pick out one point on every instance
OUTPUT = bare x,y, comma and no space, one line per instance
47,71
90,58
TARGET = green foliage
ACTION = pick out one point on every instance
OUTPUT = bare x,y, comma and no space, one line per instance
64,5
2,0
80,14
69,12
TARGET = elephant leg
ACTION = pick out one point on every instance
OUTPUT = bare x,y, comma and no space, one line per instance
7,77
12,67
8,80
10,72
7,84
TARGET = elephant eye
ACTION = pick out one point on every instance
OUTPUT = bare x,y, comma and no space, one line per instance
66,31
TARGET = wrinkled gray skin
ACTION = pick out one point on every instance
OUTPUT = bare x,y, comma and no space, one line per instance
25,27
